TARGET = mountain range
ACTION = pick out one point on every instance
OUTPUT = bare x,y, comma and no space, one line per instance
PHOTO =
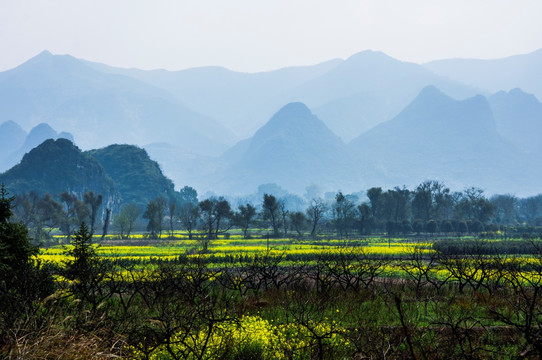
518,71
456,142
369,120
101,108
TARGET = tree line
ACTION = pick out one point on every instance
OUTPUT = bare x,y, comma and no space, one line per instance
429,208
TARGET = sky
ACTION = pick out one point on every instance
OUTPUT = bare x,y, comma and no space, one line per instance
260,35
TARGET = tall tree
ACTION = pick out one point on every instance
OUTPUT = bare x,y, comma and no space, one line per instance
126,219
189,216
432,200
223,215
374,195
208,219
188,195
298,221
342,214
473,205
283,211
39,214
364,218
270,209
243,217
531,208
315,213
22,283
506,208
16,250
172,213
68,201
155,212
94,202
106,222
395,205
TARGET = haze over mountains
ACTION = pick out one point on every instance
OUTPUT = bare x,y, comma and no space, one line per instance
519,71
15,142
369,120
101,108
350,95
457,142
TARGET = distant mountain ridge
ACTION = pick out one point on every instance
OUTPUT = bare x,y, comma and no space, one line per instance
518,117
294,148
518,71
437,137
17,142
101,108
404,128
12,137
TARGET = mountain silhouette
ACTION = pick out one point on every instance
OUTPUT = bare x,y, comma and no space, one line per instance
293,149
102,108
437,137
518,116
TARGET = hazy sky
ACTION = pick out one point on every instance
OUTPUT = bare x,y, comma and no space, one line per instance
254,35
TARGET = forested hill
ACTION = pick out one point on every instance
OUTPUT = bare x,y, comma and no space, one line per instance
56,166
121,173
138,178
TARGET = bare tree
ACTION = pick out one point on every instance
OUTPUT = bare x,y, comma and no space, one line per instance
189,216
172,211
284,215
315,213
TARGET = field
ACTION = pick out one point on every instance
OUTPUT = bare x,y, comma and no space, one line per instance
298,299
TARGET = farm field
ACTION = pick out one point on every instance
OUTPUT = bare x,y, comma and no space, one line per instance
303,299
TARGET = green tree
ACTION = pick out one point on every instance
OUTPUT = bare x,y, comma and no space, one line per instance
23,281
394,205
432,200
506,209
298,222
431,226
364,219
374,194
271,212
473,205
343,214
188,195
126,219
16,249
85,271
155,212
223,215
243,217
83,255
